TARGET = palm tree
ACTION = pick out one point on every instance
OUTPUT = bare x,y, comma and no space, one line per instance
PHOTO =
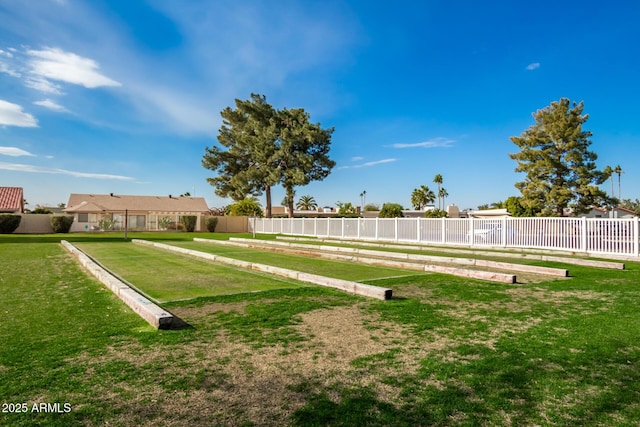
363,199
443,194
619,171
608,172
307,203
421,197
438,180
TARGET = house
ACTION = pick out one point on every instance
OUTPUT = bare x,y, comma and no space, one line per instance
616,212
107,211
489,213
11,200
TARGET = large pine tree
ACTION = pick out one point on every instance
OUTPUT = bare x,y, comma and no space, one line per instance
560,170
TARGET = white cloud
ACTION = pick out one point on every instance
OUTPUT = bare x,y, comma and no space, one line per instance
12,115
433,143
39,169
357,159
533,66
14,152
368,164
47,103
56,64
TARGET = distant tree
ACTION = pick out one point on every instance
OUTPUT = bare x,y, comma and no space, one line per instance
247,207
607,173
185,194
633,205
483,207
438,180
371,207
347,210
515,208
363,198
497,205
307,203
436,213
422,196
62,205
560,170
303,151
442,193
246,162
41,210
391,210
618,170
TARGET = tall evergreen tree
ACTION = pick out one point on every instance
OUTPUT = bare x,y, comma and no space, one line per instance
303,151
263,147
244,165
560,170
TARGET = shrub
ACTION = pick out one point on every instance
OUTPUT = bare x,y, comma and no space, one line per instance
61,223
391,210
41,211
247,207
212,222
164,223
189,222
435,213
9,223
107,223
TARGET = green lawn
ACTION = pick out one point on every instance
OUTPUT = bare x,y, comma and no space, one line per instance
445,351
166,276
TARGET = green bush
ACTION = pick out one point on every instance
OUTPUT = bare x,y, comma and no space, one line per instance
9,223
391,210
212,222
247,207
61,223
435,213
189,222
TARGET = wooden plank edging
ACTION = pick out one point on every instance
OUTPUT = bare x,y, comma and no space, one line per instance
460,272
345,285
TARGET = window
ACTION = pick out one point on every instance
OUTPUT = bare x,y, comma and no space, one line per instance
83,217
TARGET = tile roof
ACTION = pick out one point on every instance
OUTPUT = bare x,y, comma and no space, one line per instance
11,199
116,202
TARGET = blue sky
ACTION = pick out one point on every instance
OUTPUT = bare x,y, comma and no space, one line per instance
123,96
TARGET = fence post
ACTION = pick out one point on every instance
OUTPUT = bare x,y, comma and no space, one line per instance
583,235
471,239
636,237
443,230
359,225
418,230
377,224
395,226
342,233
504,232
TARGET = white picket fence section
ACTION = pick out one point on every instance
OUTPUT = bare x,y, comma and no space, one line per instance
607,236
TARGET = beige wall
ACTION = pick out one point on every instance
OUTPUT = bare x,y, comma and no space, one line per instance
229,224
35,224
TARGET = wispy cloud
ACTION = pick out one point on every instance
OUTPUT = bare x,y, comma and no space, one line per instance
368,164
44,69
39,169
12,115
432,143
51,105
14,152
357,158
56,64
533,66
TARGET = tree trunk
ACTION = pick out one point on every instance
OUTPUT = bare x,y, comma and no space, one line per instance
267,190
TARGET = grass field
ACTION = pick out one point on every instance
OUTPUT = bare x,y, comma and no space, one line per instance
444,351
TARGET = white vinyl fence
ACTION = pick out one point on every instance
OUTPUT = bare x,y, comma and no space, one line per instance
589,235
